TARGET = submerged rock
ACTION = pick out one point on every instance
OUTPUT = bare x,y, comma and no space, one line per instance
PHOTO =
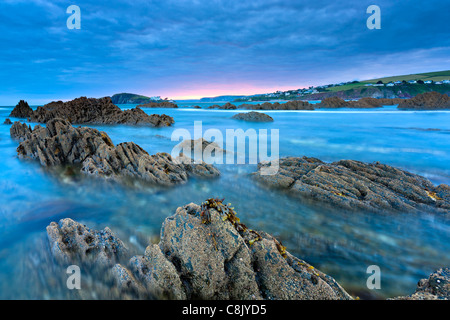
201,149
356,185
253,117
72,241
21,110
436,287
206,253
59,143
97,111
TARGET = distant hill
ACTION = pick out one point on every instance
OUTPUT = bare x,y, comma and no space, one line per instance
362,89
129,98
221,98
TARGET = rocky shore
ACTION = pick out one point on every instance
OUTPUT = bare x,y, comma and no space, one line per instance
426,101
356,185
204,253
90,111
93,152
363,103
327,103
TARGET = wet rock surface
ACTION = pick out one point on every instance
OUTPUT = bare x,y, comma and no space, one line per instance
21,110
363,103
356,185
20,131
59,143
97,111
427,101
253,116
204,253
7,121
71,241
436,287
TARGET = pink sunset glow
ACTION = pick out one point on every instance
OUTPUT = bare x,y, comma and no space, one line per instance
198,91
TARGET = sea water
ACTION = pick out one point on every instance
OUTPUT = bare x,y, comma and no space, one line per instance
406,246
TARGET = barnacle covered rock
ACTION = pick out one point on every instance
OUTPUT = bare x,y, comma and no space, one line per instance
436,287
72,241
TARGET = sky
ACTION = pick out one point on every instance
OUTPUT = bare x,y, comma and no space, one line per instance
188,49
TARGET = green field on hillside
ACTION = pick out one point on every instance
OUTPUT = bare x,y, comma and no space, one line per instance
434,76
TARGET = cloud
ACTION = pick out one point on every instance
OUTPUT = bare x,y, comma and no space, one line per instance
161,47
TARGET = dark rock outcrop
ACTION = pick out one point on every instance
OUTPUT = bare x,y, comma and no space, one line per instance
426,101
436,287
289,105
97,111
7,121
61,144
226,106
163,104
253,117
356,185
363,103
21,110
20,131
332,103
211,255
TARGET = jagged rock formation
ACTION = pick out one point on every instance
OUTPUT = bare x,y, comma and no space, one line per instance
436,287
356,185
93,151
20,131
253,116
97,111
427,101
21,110
205,253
